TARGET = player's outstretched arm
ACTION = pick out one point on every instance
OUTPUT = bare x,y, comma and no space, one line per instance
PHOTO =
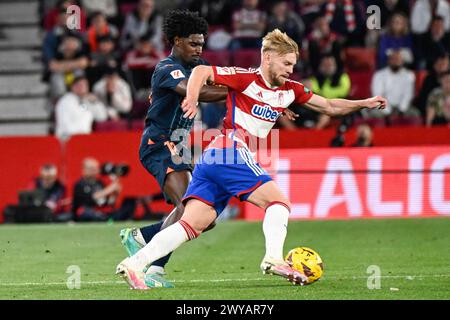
200,75
340,107
207,93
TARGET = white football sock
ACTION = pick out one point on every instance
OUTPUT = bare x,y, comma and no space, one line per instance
163,243
275,230
156,269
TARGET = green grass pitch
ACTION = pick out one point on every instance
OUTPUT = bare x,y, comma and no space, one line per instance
412,254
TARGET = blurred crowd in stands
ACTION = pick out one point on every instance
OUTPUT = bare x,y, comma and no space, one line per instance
399,50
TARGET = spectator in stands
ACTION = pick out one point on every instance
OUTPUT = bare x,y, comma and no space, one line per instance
423,11
100,27
52,187
217,13
142,20
436,42
364,136
331,83
249,23
52,17
397,84
397,37
53,192
78,109
108,8
387,9
114,93
438,104
69,59
309,11
347,18
286,20
390,7
140,64
322,41
91,196
440,66
53,39
104,58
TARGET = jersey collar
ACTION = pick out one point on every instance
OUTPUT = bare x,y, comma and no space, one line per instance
268,85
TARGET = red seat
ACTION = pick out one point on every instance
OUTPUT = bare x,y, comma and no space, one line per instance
217,58
356,58
406,121
372,122
247,58
420,77
111,125
361,81
137,125
126,8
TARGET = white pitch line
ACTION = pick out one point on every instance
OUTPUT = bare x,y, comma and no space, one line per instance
406,277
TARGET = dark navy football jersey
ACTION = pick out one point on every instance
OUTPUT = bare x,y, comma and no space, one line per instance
165,114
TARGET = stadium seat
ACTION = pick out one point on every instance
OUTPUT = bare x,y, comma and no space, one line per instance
360,59
247,58
372,122
137,125
361,81
217,58
111,125
126,8
406,121
139,109
420,77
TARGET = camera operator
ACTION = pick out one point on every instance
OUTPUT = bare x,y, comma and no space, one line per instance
48,199
92,199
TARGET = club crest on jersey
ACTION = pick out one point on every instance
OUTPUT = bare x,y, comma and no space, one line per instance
265,112
280,98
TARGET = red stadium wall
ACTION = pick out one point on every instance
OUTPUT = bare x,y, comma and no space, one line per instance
22,156
20,161
362,183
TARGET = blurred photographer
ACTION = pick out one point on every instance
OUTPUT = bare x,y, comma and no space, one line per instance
43,201
92,200
339,138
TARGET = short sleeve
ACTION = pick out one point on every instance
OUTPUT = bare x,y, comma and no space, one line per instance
235,78
302,94
169,76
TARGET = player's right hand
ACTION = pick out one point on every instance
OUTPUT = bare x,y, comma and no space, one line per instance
377,102
190,108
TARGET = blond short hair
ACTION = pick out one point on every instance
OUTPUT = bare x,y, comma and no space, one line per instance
279,42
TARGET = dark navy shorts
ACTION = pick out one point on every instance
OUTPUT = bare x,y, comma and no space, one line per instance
159,162
225,173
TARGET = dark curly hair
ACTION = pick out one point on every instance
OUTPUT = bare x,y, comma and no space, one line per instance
183,23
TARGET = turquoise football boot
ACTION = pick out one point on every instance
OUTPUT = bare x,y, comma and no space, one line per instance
129,241
156,280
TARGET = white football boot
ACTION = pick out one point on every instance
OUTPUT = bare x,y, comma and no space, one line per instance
134,278
281,268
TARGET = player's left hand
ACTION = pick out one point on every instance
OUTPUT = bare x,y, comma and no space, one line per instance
376,102
190,108
291,115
